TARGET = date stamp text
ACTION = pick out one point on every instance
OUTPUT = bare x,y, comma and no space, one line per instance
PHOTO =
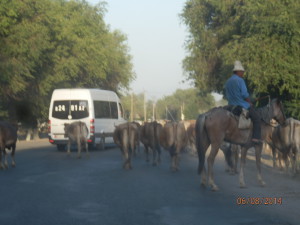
259,200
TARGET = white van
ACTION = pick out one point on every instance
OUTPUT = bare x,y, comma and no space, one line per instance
100,109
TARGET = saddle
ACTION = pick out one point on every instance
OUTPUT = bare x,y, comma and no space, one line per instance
244,122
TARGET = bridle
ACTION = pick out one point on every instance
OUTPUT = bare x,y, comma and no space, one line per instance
266,117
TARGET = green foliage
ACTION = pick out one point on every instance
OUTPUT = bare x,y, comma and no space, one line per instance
264,35
50,44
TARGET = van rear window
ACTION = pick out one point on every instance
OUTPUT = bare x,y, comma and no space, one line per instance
73,109
106,110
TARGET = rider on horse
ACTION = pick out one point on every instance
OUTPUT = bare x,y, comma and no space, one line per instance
237,95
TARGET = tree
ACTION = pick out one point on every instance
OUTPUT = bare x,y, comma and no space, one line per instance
50,44
264,35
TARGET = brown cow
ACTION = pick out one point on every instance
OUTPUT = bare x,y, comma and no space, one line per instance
8,139
77,132
174,139
126,136
286,140
149,134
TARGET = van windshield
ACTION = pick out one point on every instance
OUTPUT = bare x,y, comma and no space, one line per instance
70,109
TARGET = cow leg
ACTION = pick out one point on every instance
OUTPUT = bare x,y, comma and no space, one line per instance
86,147
5,159
293,156
280,158
13,163
173,155
154,162
69,147
126,156
158,154
79,148
147,153
210,163
242,166
258,150
177,159
1,165
286,162
274,157
130,153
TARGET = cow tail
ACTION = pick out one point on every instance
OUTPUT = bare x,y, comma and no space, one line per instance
200,135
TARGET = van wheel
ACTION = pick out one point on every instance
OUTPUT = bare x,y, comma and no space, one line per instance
61,147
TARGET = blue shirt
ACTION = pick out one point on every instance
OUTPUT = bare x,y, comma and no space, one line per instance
236,91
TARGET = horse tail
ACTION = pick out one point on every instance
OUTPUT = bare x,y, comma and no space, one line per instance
200,137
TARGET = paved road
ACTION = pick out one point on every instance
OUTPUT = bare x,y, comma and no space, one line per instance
47,187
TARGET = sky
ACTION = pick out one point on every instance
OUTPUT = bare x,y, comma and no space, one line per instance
156,38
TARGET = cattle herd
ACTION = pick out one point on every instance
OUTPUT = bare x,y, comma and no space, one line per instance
174,137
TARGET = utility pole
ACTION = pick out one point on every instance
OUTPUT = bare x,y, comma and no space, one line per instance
182,111
131,108
145,113
153,111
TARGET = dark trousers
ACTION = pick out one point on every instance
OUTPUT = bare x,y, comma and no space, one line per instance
256,123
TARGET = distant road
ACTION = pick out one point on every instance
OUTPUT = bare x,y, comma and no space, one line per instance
47,187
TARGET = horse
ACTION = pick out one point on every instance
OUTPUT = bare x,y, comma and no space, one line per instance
218,125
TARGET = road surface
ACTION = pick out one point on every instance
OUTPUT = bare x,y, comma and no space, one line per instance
48,187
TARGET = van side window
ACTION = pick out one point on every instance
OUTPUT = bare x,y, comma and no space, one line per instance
104,109
114,110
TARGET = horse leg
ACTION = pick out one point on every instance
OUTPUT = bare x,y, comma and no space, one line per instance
210,163
236,158
201,166
258,150
242,166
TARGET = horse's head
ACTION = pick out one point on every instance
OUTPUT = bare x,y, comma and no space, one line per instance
277,109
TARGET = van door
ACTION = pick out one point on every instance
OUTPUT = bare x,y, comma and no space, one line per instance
67,111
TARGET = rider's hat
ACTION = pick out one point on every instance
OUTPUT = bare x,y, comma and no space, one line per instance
238,66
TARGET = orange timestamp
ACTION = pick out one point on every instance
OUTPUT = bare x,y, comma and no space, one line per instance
259,200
